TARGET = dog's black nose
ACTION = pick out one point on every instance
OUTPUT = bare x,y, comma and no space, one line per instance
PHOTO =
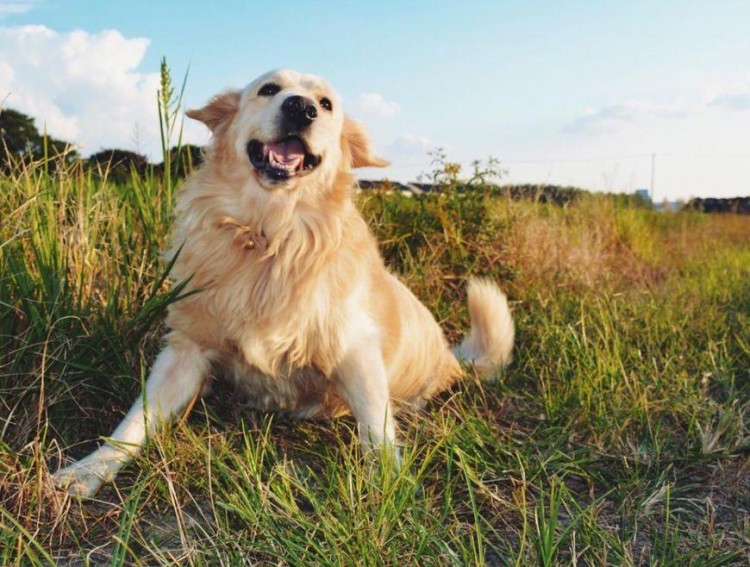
299,110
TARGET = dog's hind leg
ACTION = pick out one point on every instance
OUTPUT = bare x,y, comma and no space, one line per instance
175,379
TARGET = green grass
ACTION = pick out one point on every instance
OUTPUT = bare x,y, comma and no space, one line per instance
618,436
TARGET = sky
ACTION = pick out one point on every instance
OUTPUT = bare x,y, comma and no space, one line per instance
604,95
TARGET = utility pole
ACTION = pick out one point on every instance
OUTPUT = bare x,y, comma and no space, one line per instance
653,176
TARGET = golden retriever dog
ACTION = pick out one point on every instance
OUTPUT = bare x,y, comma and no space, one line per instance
292,298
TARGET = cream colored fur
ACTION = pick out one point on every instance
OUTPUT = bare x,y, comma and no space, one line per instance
293,299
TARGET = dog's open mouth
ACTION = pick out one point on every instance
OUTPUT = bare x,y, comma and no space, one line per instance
289,157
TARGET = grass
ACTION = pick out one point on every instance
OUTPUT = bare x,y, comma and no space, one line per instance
618,436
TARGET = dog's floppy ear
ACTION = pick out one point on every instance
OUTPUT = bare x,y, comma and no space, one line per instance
218,111
356,145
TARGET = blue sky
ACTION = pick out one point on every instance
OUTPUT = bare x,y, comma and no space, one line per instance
570,92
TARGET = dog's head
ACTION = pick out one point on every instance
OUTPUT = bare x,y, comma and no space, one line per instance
285,127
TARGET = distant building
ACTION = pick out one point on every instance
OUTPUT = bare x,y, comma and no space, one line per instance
386,186
668,206
644,195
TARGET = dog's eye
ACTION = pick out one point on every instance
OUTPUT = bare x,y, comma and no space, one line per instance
326,103
269,89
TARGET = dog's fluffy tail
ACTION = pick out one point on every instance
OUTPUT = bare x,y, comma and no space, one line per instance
489,344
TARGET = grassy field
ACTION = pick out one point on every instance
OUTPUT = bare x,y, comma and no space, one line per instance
619,435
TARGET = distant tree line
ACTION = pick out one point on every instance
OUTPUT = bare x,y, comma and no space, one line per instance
120,165
541,193
560,195
483,177
21,142
735,205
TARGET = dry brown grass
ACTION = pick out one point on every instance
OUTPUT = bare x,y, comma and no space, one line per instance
627,406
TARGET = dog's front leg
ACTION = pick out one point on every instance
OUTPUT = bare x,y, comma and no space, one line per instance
174,380
363,384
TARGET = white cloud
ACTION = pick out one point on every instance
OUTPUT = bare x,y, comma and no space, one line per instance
409,145
14,8
82,87
374,104
699,143
735,97
613,117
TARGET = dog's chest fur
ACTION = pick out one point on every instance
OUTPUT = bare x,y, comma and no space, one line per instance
276,316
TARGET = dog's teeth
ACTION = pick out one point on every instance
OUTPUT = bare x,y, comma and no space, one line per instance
276,163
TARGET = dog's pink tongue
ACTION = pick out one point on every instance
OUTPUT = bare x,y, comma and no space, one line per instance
288,154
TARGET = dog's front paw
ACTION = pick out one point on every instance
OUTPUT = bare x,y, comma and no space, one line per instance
82,479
